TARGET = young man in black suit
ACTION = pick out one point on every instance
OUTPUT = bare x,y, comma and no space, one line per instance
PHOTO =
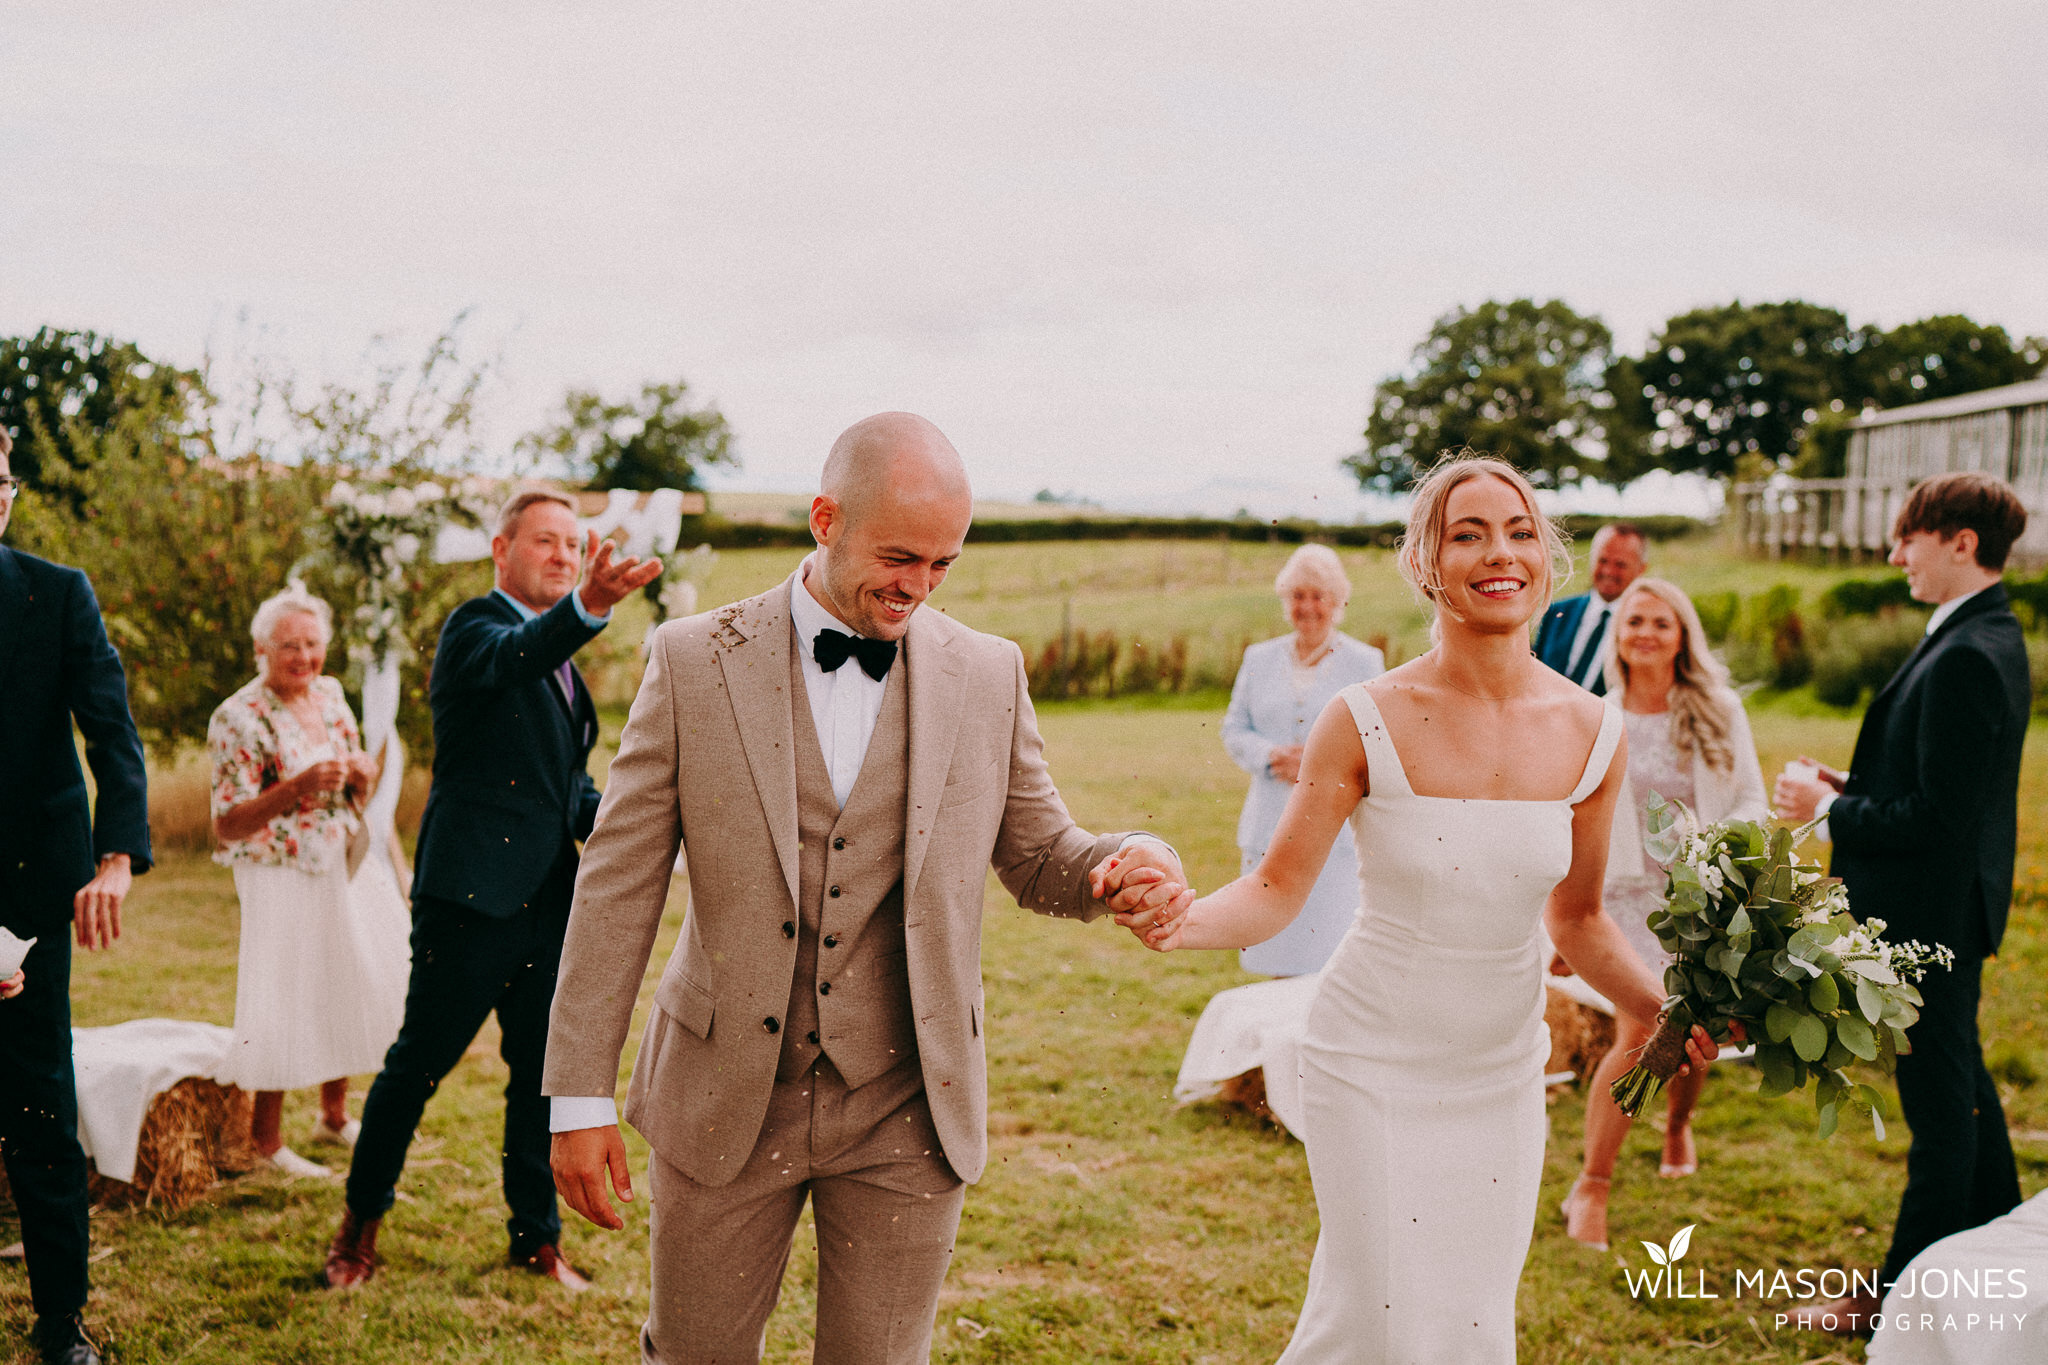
1924,825
513,729
62,866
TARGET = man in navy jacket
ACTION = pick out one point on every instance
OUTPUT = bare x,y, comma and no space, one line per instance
1924,825
496,866
1576,631
62,865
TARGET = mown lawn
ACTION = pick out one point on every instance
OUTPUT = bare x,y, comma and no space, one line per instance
1111,1226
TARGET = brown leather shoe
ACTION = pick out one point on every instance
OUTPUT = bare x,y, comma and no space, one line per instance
352,1255
548,1261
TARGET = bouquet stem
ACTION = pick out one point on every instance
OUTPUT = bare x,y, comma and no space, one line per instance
1658,1063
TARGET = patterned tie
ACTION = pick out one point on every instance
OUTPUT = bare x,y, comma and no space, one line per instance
1592,649
565,678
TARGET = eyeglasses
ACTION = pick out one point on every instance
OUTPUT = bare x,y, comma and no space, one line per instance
9,485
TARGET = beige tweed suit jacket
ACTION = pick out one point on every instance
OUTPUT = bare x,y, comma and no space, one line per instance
707,763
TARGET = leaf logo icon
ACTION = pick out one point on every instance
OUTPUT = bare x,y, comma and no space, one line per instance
1676,1251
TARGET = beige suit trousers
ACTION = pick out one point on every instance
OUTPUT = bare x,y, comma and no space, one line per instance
887,1207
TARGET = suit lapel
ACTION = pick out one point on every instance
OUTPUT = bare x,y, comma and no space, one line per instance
937,691
14,608
757,680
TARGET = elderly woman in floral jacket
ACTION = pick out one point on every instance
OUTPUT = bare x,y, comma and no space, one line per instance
321,982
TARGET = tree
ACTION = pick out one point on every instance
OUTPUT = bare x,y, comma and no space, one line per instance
1940,356
59,390
658,442
1741,378
1523,380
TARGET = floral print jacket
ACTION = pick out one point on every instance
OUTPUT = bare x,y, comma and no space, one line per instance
256,742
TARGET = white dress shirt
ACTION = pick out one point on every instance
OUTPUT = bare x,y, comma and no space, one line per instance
845,704
1597,610
1941,614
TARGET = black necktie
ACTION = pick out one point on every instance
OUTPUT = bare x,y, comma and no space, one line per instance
1592,649
834,647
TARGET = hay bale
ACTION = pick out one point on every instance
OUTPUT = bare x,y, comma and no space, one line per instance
1247,1091
1579,1035
196,1132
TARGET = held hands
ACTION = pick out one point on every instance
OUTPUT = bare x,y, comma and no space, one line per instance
1285,763
582,1158
606,584
1145,887
96,909
1796,796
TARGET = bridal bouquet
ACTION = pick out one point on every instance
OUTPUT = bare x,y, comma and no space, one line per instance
1770,941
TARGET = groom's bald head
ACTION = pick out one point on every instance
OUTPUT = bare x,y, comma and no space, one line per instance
893,456
892,509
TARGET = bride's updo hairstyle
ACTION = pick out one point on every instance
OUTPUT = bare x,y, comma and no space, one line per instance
1416,555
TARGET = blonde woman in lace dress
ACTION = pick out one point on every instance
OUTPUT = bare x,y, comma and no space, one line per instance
1689,741
1480,786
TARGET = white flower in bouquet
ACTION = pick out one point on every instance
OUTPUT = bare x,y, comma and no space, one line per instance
430,492
400,503
370,504
408,547
342,494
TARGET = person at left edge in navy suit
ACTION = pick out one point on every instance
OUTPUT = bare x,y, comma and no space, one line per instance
496,866
1577,631
66,865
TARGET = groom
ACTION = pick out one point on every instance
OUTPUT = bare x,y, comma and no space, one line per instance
843,769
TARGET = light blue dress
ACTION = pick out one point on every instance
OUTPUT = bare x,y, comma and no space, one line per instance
1273,704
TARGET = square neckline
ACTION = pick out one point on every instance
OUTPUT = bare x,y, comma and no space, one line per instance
1377,734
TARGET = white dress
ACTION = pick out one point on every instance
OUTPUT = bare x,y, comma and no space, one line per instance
321,977
1422,1070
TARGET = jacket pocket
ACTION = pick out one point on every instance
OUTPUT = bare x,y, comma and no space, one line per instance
686,1002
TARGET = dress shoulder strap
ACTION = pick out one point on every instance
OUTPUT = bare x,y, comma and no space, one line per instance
1384,774
1603,754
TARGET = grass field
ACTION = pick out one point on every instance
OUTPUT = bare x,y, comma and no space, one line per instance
1112,1226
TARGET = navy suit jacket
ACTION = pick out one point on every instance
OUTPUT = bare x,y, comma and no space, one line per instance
1925,827
511,788
1554,638
56,665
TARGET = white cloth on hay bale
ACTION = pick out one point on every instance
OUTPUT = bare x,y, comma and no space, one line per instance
122,1068
1247,1027
2016,1242
320,985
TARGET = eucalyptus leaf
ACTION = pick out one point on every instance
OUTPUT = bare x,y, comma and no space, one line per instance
1778,1022
1870,1000
1856,1036
1823,996
1809,1038
1830,1115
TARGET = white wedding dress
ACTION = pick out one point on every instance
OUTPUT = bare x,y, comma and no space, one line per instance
1422,1070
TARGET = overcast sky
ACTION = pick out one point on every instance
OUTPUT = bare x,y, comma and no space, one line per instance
1157,254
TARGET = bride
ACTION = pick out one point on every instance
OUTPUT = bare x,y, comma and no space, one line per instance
1480,787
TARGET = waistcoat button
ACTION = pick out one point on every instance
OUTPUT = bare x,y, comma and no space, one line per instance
812,1037
831,940
788,929
833,893
770,1024
824,988
838,843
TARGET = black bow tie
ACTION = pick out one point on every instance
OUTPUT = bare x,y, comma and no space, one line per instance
834,647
